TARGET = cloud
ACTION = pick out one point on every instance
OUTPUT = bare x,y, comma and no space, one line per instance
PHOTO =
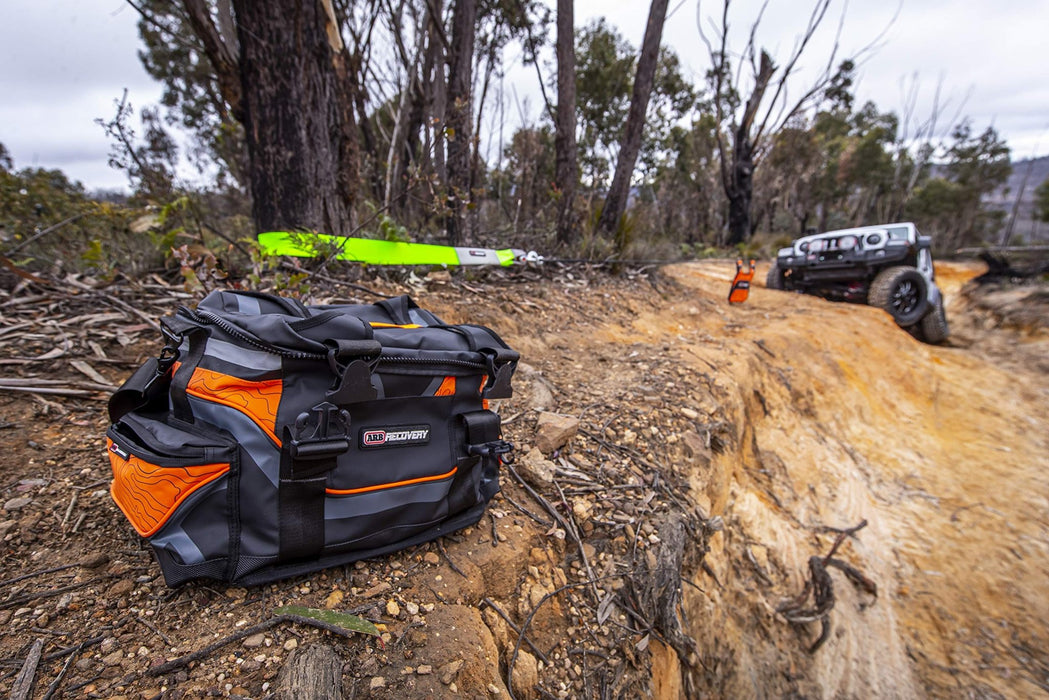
62,65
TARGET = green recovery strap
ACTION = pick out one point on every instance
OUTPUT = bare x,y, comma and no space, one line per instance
375,252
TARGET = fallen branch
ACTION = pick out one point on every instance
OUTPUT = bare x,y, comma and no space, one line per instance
23,684
820,587
242,634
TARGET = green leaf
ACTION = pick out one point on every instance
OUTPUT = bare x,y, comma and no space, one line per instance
331,617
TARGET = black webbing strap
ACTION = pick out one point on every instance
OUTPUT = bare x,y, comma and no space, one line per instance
484,439
482,427
146,389
306,457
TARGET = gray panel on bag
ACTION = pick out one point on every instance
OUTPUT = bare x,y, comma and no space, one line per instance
237,355
370,503
248,305
179,542
249,435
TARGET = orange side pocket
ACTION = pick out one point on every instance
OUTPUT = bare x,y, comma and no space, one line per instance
148,494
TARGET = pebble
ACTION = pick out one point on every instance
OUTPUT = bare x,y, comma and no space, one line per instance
424,670
431,558
291,644
113,658
376,590
334,599
392,608
255,640
412,608
377,682
17,503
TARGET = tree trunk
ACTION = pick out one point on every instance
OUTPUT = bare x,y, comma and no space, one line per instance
630,145
566,151
298,116
740,189
739,177
313,672
459,115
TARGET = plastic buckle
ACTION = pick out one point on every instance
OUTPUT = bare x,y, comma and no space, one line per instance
496,448
501,367
321,432
354,381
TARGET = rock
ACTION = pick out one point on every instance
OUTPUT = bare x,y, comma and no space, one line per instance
448,672
431,558
291,644
696,449
536,469
255,640
334,599
392,608
17,503
93,561
113,658
554,430
121,588
377,682
424,670
412,608
376,590
526,675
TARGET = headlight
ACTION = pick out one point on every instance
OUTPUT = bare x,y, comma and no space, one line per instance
873,239
847,242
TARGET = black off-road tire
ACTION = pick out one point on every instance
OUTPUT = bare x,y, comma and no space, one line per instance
934,325
775,278
903,292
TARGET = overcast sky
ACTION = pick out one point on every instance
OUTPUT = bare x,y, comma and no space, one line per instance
64,63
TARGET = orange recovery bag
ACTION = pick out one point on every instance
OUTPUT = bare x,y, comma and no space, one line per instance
270,438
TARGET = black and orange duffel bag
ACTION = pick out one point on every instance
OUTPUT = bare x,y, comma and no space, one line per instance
271,439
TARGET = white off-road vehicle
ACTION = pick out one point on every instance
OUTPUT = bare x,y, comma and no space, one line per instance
888,266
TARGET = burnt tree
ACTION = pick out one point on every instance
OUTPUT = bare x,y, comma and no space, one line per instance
288,79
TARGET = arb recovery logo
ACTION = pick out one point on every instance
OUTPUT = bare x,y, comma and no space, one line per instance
395,436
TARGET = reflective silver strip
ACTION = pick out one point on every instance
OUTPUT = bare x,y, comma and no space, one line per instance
371,502
242,357
477,256
248,305
249,435
181,543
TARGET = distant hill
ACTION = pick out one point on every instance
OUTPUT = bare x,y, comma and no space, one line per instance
1027,175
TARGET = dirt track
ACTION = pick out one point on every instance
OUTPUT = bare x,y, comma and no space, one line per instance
783,417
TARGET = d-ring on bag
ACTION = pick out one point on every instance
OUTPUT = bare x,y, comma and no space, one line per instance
271,439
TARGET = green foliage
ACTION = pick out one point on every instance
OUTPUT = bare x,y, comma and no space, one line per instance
175,57
48,222
605,65
346,621
1041,201
950,206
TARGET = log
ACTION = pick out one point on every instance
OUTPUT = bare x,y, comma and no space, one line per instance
312,672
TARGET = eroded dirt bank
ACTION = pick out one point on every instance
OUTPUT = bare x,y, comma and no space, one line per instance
756,431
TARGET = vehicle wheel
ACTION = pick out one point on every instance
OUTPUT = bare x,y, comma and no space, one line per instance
934,325
901,291
775,278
